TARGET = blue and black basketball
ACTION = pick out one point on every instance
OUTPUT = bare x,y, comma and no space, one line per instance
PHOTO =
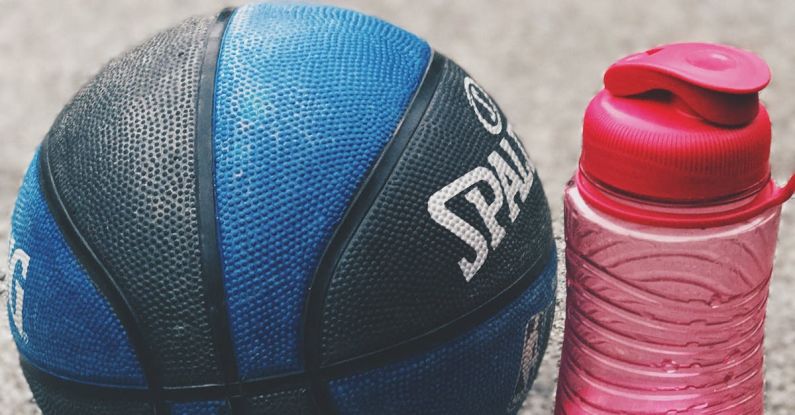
281,209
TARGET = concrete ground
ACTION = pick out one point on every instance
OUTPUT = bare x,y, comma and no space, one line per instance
541,60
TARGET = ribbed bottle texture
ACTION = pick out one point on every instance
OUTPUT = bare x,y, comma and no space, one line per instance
664,321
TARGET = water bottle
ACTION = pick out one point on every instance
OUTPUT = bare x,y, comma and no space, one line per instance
671,223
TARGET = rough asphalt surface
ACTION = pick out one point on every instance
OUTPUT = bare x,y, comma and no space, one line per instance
541,60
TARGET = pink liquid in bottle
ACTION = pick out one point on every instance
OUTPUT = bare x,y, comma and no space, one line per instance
671,226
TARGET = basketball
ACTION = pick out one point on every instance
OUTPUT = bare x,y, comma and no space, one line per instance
281,209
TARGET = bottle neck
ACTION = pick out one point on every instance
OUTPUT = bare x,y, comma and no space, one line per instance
706,214
692,207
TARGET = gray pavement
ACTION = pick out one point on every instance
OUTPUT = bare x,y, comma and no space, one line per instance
541,60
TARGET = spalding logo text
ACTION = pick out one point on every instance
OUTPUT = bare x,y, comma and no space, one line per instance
510,186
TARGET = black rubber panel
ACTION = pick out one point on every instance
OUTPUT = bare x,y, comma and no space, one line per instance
364,198
529,369
283,402
107,287
398,276
122,158
53,399
285,396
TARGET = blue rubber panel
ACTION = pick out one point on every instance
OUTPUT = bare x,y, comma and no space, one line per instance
54,295
306,98
200,408
482,372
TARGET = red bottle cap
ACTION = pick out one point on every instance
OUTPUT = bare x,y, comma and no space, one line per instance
681,124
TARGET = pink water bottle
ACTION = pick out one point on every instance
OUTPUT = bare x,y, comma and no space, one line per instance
671,224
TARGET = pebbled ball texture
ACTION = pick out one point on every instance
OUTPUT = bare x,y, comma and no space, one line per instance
122,158
352,173
398,248
306,99
67,326
295,401
200,408
478,368
56,401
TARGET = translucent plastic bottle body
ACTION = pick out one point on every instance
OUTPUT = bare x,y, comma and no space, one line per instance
664,321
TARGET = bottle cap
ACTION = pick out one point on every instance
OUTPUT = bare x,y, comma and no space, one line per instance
680,124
